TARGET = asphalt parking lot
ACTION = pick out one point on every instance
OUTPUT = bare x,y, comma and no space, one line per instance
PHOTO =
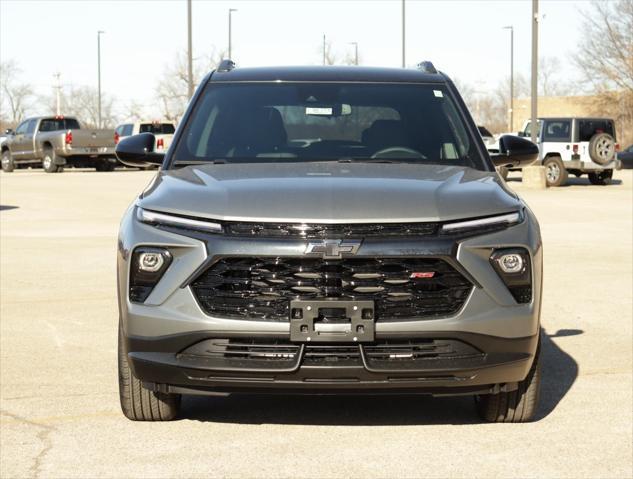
59,406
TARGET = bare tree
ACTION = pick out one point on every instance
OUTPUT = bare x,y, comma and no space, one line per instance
15,95
172,88
605,57
330,57
605,53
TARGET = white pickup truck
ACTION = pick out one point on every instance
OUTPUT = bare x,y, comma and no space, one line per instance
576,146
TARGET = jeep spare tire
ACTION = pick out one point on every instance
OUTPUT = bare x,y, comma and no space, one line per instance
602,148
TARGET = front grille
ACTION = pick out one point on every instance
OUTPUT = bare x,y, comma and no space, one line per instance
322,231
261,288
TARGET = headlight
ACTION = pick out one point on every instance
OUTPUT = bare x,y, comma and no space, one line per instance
505,220
155,218
513,266
146,269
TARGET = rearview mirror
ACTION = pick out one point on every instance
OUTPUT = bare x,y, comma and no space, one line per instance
515,152
138,151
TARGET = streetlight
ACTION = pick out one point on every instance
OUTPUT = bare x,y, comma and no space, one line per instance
355,52
534,86
189,52
231,10
324,49
99,33
511,28
403,35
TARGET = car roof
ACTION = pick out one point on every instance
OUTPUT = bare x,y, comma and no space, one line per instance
328,74
575,118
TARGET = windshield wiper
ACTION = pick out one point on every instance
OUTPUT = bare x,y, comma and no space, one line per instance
199,162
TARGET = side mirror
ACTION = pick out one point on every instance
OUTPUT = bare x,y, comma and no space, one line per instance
515,152
9,131
138,151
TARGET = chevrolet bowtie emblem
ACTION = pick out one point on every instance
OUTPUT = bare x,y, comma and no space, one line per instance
333,249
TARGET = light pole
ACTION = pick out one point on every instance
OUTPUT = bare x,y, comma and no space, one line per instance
189,52
511,28
403,35
355,52
58,88
99,33
231,10
323,49
534,86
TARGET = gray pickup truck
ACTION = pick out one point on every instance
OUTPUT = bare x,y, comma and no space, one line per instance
55,142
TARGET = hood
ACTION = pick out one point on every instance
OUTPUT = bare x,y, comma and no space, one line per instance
329,192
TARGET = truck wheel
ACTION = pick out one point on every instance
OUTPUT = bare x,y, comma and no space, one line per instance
503,172
48,162
602,178
8,165
602,148
138,403
515,406
555,172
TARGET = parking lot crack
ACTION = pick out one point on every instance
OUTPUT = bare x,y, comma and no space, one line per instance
43,435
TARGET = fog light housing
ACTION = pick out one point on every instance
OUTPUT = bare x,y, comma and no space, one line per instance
514,268
146,269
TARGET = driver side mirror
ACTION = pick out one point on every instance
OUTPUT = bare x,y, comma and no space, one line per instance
515,152
9,131
138,151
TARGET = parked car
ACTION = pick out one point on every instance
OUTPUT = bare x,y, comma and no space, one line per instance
57,141
379,253
626,157
577,146
163,131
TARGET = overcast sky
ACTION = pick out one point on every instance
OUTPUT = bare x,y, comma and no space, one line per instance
464,38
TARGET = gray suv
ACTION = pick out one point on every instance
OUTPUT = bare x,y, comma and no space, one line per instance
328,230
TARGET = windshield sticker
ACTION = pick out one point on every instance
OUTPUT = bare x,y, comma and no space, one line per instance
311,110
438,93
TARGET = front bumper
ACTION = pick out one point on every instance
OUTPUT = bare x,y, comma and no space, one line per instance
171,320
497,364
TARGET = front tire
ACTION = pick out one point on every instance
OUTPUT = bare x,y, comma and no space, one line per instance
48,162
8,165
138,403
514,406
555,172
602,178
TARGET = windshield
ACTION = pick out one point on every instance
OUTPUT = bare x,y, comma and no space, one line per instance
259,122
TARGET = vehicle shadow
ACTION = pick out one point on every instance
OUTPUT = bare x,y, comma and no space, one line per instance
559,371
571,181
8,207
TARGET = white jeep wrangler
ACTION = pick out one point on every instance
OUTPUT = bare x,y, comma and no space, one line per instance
576,146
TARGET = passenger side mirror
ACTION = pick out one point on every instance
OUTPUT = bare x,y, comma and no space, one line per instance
8,131
515,152
138,151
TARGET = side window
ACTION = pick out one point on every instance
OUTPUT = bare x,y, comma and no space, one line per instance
21,129
558,130
127,129
588,128
30,129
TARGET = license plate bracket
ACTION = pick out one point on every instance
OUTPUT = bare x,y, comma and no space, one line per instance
309,322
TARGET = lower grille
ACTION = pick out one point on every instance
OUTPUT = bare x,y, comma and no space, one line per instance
261,288
281,354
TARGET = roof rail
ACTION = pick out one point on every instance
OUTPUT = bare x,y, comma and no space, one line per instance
226,65
427,67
